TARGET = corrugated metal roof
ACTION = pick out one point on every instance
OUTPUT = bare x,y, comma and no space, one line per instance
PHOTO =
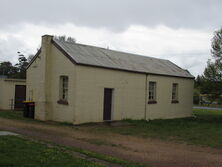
95,56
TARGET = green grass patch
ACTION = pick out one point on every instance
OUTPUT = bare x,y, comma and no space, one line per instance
108,158
208,115
19,152
17,115
205,128
12,114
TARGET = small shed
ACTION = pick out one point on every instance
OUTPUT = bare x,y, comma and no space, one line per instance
12,93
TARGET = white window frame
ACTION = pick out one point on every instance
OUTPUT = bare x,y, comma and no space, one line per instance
152,91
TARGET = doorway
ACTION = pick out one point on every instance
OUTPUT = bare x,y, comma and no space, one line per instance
107,106
20,96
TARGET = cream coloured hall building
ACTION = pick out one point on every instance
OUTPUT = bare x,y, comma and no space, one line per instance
77,83
12,93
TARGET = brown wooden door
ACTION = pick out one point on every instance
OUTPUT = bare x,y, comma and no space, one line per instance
20,96
107,107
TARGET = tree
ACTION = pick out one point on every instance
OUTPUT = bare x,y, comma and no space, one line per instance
63,38
21,66
197,87
217,46
15,71
30,57
211,81
197,82
7,69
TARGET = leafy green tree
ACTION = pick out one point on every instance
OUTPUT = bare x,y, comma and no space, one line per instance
217,46
30,57
197,87
21,66
15,71
211,82
197,82
7,69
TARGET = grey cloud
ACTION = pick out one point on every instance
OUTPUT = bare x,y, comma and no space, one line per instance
114,14
194,61
9,49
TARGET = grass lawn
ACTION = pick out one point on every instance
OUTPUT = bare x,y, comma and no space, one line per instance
12,114
203,129
20,152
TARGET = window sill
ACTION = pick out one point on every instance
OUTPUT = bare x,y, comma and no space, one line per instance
152,102
64,102
174,101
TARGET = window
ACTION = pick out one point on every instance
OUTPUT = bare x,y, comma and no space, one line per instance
152,92
63,92
175,93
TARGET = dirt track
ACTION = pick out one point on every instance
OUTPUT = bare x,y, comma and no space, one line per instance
157,153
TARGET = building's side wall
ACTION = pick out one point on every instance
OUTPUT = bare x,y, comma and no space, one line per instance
7,95
128,94
164,108
61,66
35,86
43,86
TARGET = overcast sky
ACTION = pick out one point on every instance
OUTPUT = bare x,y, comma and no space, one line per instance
178,30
